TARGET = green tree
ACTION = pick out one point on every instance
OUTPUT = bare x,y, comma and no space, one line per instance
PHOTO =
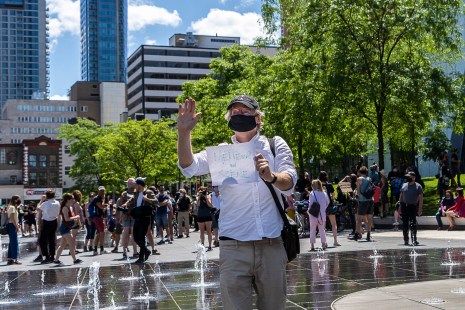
138,148
83,138
378,59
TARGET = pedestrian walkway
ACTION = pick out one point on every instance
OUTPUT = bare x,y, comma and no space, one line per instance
184,249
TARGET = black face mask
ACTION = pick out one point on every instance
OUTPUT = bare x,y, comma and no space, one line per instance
242,123
409,180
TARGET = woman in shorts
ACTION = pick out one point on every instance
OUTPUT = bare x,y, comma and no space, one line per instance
67,221
204,217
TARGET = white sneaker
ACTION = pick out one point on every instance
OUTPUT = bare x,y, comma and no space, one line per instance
395,223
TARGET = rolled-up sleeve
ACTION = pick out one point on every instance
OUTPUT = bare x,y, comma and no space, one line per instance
199,166
284,162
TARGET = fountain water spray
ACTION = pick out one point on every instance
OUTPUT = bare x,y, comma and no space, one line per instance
375,255
320,252
94,284
201,262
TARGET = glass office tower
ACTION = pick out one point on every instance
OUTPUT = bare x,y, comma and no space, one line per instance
24,52
103,40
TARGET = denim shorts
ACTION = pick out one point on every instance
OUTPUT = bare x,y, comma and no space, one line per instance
162,220
128,223
64,230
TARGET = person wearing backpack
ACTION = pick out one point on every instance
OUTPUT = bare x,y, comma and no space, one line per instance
365,193
411,205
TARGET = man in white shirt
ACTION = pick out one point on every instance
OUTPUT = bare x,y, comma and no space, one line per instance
48,215
250,224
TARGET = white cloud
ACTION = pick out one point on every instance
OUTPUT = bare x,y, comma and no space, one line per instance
149,41
64,17
229,23
143,15
59,97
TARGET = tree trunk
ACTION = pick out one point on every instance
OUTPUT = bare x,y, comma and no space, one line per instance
380,141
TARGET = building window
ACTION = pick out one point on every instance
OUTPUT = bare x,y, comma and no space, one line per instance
33,160
53,179
84,108
33,178
13,179
42,179
67,170
43,161
52,160
2,156
67,149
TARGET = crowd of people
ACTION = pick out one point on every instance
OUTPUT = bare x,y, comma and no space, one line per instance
136,219
366,195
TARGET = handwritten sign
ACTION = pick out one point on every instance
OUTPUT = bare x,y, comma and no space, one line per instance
345,187
232,164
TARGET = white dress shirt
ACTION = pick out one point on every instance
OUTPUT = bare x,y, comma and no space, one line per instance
248,211
216,201
50,210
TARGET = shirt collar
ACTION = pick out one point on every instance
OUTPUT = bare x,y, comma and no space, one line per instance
255,138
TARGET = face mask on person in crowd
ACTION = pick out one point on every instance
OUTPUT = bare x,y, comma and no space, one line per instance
447,196
242,123
409,180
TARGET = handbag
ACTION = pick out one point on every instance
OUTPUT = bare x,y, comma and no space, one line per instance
3,230
315,208
289,233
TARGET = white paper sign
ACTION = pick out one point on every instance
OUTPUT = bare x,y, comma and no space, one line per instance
232,164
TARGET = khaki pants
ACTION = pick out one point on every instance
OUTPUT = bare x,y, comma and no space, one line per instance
259,265
183,215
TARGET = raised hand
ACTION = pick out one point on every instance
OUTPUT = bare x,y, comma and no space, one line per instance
187,117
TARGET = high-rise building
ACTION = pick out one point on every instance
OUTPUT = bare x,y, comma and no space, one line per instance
23,50
103,40
156,73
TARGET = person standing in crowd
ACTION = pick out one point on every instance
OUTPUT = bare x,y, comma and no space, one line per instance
13,229
125,205
215,198
99,220
250,228
302,186
365,205
455,168
184,207
384,185
331,208
30,220
457,210
204,216
162,215
89,223
144,202
68,221
411,200
374,174
447,202
77,211
48,223
320,196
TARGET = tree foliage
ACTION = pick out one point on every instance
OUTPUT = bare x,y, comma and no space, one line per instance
378,60
111,154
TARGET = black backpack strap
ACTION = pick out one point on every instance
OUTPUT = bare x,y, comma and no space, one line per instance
272,146
273,193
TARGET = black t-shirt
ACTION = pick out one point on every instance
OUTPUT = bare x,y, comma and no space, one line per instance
183,203
98,212
301,184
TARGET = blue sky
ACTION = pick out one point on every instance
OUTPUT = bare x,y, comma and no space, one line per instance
149,22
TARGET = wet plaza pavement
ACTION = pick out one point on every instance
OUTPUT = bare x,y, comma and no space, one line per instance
316,280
